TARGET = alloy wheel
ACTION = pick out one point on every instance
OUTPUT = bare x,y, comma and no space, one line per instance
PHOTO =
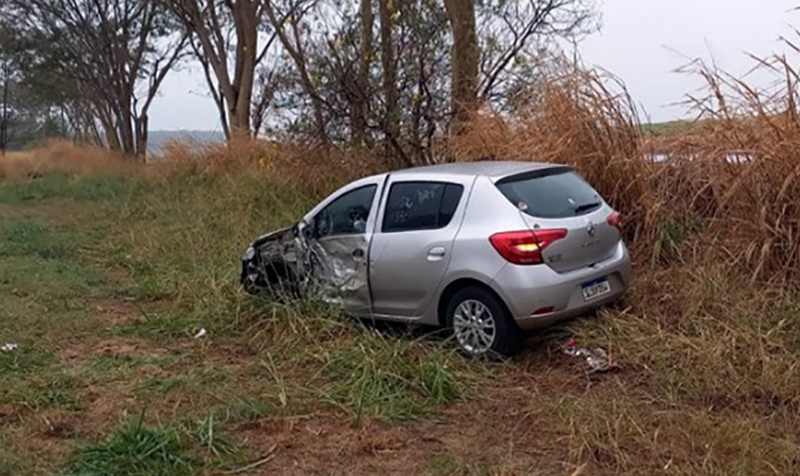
474,326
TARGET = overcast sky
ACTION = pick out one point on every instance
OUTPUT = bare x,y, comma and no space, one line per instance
641,41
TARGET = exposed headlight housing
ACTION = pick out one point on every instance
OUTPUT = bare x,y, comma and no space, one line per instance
249,254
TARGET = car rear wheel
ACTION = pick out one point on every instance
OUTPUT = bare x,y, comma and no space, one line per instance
481,325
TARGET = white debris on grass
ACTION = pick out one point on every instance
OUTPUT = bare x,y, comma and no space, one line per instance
596,360
9,347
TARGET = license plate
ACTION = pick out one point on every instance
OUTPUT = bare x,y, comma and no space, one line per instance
595,289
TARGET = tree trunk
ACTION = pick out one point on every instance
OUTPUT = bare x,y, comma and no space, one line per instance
239,122
142,137
109,129
111,135
361,104
390,93
465,59
245,18
233,92
126,133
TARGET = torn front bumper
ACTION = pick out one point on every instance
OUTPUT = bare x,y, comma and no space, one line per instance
270,263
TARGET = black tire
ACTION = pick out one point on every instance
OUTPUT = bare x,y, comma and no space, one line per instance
508,337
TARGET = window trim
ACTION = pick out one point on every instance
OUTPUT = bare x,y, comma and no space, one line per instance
337,198
384,217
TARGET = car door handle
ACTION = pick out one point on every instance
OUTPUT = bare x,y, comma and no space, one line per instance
437,252
358,254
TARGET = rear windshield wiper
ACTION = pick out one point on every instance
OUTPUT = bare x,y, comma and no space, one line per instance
586,207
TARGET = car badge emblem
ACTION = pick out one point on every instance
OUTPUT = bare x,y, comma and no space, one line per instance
591,229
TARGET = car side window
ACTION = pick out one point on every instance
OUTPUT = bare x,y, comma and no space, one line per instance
347,215
420,206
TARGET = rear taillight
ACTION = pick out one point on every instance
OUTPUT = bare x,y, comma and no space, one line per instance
525,247
613,219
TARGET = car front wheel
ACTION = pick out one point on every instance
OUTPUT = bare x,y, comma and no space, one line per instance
481,324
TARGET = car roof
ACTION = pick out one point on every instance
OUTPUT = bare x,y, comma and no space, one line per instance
495,170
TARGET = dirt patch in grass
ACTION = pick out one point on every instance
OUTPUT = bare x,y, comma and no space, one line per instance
113,347
117,312
107,406
126,347
61,426
11,413
330,445
495,439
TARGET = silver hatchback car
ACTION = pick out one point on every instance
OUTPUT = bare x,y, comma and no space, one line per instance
487,249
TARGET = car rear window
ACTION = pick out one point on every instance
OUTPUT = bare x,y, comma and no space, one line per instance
421,206
552,193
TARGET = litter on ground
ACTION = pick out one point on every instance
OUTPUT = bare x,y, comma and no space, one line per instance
596,360
9,347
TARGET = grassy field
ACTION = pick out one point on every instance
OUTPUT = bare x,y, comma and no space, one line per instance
106,278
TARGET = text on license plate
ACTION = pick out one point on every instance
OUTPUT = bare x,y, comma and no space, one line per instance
595,289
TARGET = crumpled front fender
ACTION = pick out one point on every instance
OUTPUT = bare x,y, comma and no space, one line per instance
289,262
270,263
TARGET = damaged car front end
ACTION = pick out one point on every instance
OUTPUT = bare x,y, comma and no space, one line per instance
292,263
323,256
270,264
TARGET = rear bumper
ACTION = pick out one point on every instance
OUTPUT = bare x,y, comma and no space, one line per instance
528,289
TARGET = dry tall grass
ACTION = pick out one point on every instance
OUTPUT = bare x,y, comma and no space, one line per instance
749,145
62,156
726,189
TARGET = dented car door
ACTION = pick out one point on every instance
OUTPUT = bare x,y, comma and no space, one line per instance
334,241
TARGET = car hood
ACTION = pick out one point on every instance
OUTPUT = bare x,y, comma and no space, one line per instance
272,236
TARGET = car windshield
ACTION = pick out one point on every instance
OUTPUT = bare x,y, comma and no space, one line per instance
555,193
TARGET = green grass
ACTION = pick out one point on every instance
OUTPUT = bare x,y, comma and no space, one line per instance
441,465
197,381
58,388
199,446
124,364
30,238
392,378
669,128
135,450
37,381
163,325
60,185
210,436
12,461
24,360
52,280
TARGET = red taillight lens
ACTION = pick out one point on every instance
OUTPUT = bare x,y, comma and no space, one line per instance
525,247
613,219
